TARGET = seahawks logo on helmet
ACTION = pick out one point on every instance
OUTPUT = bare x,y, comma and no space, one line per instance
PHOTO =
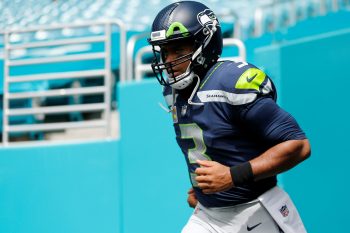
206,17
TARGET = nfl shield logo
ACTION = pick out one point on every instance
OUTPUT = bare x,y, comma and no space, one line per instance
284,211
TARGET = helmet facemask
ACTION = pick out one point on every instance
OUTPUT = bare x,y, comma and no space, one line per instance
165,71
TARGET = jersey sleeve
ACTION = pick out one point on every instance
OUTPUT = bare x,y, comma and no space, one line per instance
242,86
245,84
270,122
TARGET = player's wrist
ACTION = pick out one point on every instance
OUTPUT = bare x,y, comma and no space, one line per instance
242,174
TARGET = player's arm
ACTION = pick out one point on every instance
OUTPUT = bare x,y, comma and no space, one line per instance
278,128
280,158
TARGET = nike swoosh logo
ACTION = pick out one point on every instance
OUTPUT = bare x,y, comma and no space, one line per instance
252,227
251,79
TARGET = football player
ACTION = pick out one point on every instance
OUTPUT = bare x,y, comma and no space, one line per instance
234,136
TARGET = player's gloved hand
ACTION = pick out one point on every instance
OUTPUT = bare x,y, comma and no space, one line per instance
192,199
213,177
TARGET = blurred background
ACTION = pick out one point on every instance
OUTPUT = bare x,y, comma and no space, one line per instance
85,146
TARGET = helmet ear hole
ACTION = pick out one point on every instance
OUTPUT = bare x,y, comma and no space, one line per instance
200,59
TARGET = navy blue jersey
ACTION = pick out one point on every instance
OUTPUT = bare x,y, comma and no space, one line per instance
238,121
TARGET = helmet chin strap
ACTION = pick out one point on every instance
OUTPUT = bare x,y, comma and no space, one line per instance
195,89
189,101
195,54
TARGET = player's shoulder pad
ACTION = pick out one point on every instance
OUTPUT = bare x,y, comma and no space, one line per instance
237,83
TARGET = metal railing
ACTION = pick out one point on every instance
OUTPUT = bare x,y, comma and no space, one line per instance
140,67
104,73
130,49
233,42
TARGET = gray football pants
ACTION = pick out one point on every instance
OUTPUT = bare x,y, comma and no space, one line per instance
249,217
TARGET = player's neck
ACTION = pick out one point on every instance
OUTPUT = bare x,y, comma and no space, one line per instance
186,93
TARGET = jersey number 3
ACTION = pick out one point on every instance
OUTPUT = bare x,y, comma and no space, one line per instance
194,132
